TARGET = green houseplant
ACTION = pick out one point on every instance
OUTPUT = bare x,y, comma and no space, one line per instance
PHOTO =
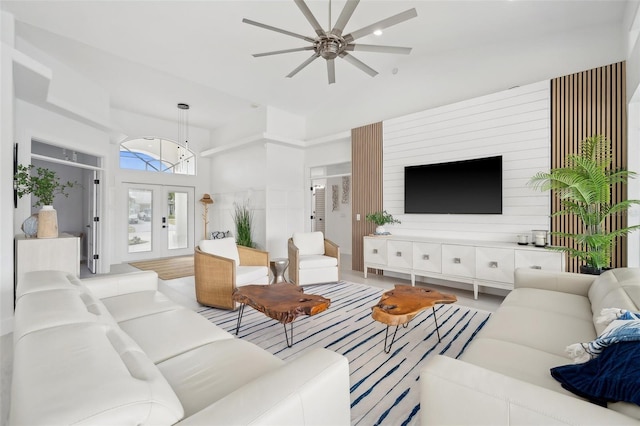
44,184
381,218
584,187
243,218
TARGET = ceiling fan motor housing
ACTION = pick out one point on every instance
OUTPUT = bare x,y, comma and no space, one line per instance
330,47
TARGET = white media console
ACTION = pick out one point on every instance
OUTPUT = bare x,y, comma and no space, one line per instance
485,263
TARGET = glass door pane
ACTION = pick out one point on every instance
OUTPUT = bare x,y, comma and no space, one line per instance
178,214
140,237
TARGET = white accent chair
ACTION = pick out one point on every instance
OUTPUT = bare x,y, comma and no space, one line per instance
220,266
313,259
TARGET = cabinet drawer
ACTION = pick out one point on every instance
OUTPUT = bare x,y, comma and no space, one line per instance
548,260
400,254
494,264
427,257
459,260
375,251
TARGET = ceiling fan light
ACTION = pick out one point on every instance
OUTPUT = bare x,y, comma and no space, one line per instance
377,32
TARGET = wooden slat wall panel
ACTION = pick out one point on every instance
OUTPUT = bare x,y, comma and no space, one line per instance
366,176
584,104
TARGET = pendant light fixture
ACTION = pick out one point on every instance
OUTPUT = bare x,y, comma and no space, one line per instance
183,137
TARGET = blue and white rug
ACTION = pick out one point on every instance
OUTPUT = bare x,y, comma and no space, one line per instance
384,387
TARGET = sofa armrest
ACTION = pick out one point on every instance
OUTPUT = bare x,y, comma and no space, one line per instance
313,389
294,261
117,284
566,282
253,257
456,392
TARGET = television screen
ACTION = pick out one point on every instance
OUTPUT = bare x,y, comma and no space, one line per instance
459,187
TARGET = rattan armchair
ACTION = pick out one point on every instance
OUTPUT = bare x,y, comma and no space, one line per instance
217,276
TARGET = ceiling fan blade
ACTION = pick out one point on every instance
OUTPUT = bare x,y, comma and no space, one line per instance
278,30
312,19
302,65
358,64
331,70
277,52
378,49
385,23
344,17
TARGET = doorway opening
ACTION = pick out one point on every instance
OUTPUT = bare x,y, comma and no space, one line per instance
330,187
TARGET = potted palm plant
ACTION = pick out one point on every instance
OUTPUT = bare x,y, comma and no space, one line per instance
584,186
381,218
45,185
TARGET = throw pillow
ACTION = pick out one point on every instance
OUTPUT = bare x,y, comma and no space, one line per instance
624,326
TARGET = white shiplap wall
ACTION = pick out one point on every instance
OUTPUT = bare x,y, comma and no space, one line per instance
514,123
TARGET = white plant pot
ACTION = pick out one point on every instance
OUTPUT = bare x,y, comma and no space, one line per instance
47,222
380,230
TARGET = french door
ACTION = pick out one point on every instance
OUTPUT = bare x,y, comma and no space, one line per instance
159,221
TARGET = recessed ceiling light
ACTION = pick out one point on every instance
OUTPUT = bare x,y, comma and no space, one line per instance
377,32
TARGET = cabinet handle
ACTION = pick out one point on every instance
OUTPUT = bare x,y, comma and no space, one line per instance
425,256
536,267
399,253
456,260
375,251
493,264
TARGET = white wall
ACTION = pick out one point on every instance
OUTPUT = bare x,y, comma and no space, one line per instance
6,173
633,95
513,123
338,222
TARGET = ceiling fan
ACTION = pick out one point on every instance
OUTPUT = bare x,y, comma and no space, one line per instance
331,44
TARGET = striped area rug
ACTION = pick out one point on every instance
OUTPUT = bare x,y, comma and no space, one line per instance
384,387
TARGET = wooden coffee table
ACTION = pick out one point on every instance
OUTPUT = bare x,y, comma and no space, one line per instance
400,305
283,302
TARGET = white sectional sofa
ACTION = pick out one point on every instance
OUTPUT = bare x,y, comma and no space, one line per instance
114,350
503,377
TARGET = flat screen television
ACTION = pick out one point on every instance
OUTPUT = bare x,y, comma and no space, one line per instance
457,187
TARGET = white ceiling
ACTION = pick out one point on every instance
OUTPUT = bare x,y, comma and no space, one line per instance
150,55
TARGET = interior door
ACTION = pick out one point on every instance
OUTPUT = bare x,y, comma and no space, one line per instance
159,221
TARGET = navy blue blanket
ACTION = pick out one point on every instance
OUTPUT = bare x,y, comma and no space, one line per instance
613,376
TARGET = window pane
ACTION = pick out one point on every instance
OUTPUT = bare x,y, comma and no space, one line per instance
140,202
178,220
157,155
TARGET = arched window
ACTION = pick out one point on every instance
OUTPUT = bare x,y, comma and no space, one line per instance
157,155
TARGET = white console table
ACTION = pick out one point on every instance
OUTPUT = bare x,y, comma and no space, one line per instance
485,263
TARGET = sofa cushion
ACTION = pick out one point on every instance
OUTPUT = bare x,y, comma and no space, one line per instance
208,373
52,308
88,374
135,305
552,301
617,288
47,280
317,261
309,242
252,275
170,333
224,247
514,360
543,330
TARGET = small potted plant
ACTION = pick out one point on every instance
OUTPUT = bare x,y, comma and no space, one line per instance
45,185
381,218
243,218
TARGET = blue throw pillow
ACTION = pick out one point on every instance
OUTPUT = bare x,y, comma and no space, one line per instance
613,376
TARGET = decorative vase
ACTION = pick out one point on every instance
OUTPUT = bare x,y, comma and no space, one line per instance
47,222
380,230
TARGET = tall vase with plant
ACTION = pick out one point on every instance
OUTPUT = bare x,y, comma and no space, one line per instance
45,185
243,218
381,218
584,187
